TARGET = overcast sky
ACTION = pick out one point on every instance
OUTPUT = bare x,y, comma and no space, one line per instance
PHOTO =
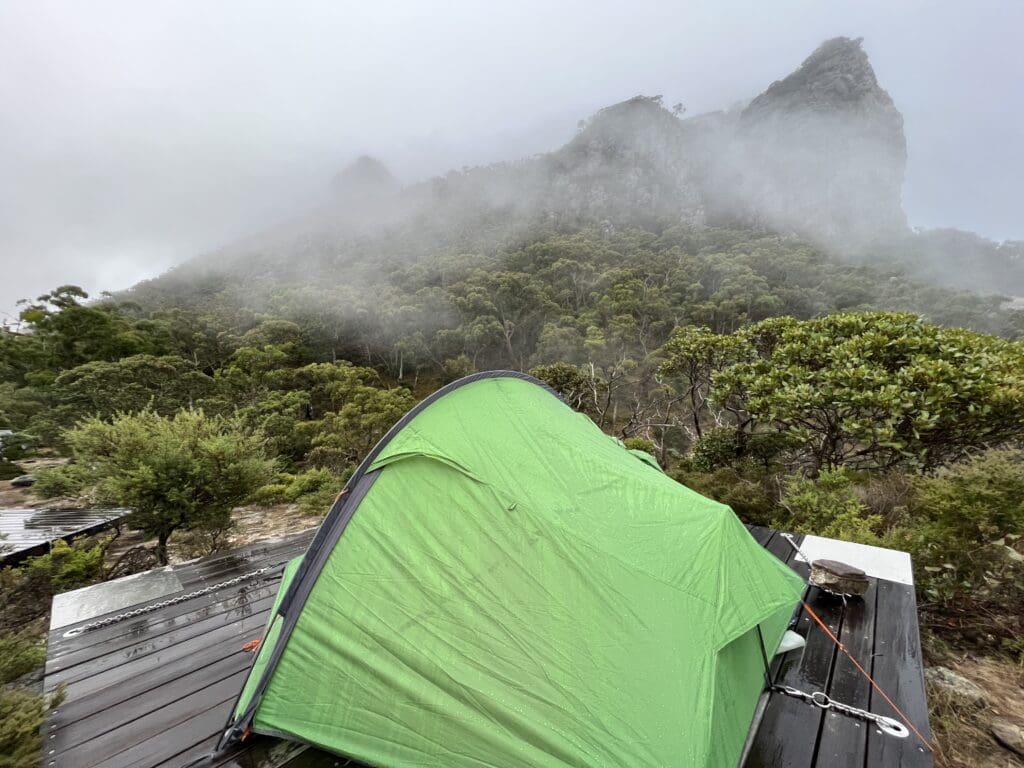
137,134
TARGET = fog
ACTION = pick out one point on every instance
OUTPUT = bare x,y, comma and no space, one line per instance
136,135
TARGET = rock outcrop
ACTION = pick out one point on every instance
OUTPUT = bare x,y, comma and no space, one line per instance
820,152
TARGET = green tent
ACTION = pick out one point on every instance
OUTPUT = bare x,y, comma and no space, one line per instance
502,584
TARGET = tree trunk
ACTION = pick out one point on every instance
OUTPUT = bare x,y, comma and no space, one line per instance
161,547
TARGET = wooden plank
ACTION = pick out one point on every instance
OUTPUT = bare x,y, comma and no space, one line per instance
137,732
59,645
760,533
787,735
132,708
171,745
208,663
898,669
163,645
243,599
844,739
147,662
210,569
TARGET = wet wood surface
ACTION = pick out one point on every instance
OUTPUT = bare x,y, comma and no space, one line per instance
157,689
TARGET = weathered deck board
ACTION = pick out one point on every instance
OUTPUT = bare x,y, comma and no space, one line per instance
28,532
897,661
156,690
843,739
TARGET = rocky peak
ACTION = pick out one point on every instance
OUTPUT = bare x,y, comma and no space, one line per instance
835,77
822,152
365,176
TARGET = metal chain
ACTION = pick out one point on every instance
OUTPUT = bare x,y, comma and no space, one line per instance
792,542
106,622
823,701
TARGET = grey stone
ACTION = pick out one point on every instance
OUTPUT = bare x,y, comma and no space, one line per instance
1008,735
839,578
956,686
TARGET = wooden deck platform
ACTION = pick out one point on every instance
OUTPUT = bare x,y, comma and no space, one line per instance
155,690
26,532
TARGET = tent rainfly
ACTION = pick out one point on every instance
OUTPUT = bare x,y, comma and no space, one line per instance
502,584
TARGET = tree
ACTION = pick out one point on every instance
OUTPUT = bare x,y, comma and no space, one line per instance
101,388
692,356
872,390
185,472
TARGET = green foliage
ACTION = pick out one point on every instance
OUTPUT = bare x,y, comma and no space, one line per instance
20,653
66,480
965,531
827,506
102,388
751,498
21,719
313,490
182,472
716,449
9,470
66,566
26,592
692,357
348,434
640,444
576,385
876,390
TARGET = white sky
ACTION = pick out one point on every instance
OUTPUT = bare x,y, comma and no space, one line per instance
137,134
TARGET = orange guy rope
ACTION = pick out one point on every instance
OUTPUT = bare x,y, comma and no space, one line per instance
863,671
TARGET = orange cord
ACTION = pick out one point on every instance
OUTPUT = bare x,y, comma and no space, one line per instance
869,678
253,645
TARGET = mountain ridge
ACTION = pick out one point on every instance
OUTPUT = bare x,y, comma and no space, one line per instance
819,154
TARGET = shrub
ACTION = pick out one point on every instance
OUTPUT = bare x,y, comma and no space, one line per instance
716,449
20,653
9,470
749,498
313,490
640,444
67,480
26,592
827,506
964,533
67,566
21,719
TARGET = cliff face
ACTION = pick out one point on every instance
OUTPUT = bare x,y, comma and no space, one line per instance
821,152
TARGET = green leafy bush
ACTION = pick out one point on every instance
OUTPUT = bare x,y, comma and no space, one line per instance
26,592
827,506
67,480
184,472
67,566
718,448
21,719
9,470
640,444
313,490
964,532
750,499
20,652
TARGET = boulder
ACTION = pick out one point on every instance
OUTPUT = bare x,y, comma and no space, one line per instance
838,578
23,481
957,687
1009,735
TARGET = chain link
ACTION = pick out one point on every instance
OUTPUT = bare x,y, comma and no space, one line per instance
106,622
823,701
